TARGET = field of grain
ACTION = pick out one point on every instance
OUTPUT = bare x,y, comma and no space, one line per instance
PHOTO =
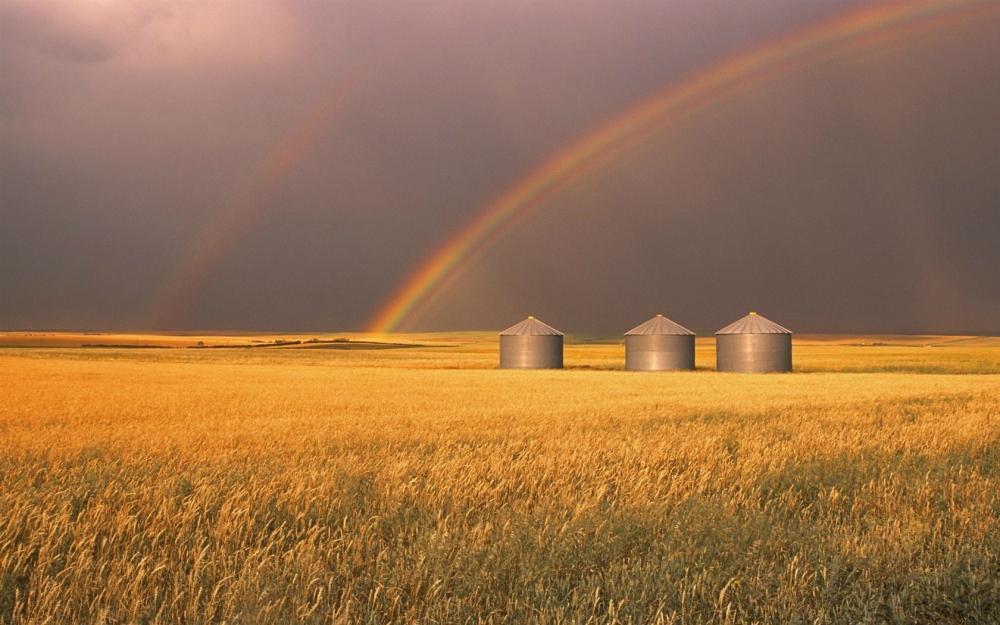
299,483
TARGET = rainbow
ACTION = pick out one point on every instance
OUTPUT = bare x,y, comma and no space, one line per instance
676,103
228,224
249,207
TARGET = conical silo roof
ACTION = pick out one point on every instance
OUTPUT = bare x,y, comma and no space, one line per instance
754,324
531,327
660,325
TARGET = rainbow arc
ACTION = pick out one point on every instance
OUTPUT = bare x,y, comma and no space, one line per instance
670,106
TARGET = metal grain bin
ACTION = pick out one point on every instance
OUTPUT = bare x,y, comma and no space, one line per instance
753,345
659,345
531,344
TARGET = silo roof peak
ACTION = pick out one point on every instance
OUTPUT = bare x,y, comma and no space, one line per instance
754,324
660,325
531,327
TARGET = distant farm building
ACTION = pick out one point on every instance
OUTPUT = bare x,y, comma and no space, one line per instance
531,344
659,345
753,345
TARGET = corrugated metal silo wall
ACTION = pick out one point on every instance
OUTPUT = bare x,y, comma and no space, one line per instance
531,352
659,352
753,353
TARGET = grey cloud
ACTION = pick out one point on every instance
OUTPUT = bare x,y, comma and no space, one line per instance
48,28
109,169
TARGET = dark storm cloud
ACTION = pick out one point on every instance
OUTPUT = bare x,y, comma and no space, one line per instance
127,126
34,31
37,28
833,200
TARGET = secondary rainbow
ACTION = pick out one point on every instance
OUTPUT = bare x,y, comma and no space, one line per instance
240,215
252,204
677,102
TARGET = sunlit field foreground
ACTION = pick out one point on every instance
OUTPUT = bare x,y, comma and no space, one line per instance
421,484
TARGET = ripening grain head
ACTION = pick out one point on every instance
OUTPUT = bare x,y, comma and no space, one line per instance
317,486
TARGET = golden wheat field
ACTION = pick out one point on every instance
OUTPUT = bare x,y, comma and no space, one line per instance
331,482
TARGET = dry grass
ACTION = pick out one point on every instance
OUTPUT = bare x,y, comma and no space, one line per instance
421,485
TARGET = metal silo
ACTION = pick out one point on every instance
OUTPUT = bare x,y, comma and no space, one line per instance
659,345
531,344
753,345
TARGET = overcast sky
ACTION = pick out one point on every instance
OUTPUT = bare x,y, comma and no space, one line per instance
859,194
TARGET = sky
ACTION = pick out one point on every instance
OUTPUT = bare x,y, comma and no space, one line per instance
287,166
